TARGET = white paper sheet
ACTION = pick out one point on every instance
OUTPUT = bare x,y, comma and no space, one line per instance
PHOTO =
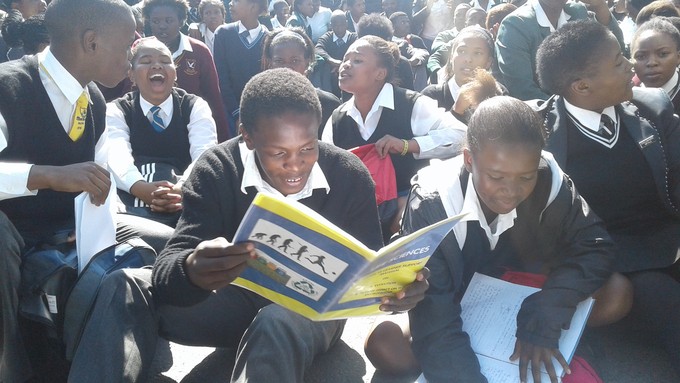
95,225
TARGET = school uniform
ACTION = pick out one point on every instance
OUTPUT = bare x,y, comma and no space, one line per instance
196,74
446,94
630,180
551,232
37,99
329,102
188,130
351,23
403,114
224,182
672,88
519,36
238,57
320,23
298,20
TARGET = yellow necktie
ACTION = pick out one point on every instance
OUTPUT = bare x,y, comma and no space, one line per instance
79,116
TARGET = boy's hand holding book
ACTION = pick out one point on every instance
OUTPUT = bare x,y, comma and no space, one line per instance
407,298
216,263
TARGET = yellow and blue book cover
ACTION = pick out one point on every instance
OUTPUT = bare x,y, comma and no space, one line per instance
312,267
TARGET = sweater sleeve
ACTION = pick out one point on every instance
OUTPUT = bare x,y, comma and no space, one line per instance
441,346
210,86
203,218
585,255
321,43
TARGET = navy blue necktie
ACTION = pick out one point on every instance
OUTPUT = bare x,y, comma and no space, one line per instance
157,122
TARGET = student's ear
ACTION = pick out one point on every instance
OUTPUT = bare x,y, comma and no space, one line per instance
246,137
90,41
467,159
382,74
580,87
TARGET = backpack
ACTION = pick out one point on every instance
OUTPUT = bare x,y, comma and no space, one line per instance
53,294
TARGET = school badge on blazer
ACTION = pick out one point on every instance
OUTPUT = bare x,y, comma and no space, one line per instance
190,68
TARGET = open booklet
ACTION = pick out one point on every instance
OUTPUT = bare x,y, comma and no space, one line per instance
310,266
489,313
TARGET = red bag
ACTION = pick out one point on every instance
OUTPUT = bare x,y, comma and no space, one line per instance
382,172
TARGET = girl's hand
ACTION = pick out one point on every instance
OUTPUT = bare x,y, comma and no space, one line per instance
389,145
537,355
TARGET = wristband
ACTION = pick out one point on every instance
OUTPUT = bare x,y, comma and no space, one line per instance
405,149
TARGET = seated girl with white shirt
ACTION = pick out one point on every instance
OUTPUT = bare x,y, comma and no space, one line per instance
156,132
400,122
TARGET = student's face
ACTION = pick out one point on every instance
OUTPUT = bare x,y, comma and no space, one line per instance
656,58
360,69
359,8
339,26
287,148
469,54
153,71
289,55
243,9
611,80
459,16
316,4
389,7
305,7
29,8
503,175
475,16
402,26
113,52
164,23
212,16
283,11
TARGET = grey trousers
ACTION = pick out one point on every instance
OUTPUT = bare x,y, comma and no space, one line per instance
274,344
15,366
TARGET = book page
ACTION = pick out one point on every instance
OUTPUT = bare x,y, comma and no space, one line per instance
489,314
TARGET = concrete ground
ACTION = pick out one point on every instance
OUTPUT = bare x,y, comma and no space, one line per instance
618,359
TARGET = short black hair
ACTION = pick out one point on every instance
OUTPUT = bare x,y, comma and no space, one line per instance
505,120
375,24
498,13
181,6
569,54
68,19
657,24
655,9
295,35
29,33
275,92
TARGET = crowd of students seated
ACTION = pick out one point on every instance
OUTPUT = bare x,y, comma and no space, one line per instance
552,123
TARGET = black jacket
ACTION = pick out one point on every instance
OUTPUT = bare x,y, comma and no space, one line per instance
554,233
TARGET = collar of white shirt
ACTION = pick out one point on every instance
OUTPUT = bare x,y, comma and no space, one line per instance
252,33
671,85
252,177
366,127
67,84
454,88
542,18
589,119
344,38
166,108
184,45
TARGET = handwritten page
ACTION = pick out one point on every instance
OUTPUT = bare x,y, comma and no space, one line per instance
489,313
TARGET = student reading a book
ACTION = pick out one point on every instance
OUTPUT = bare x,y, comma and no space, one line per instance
621,146
157,132
401,123
188,297
523,215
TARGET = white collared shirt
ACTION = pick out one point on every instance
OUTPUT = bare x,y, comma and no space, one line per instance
320,23
451,194
588,122
437,132
543,20
454,88
208,36
343,38
671,86
252,33
252,177
201,129
184,45
63,90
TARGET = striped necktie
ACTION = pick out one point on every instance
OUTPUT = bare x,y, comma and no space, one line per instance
156,120
79,117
